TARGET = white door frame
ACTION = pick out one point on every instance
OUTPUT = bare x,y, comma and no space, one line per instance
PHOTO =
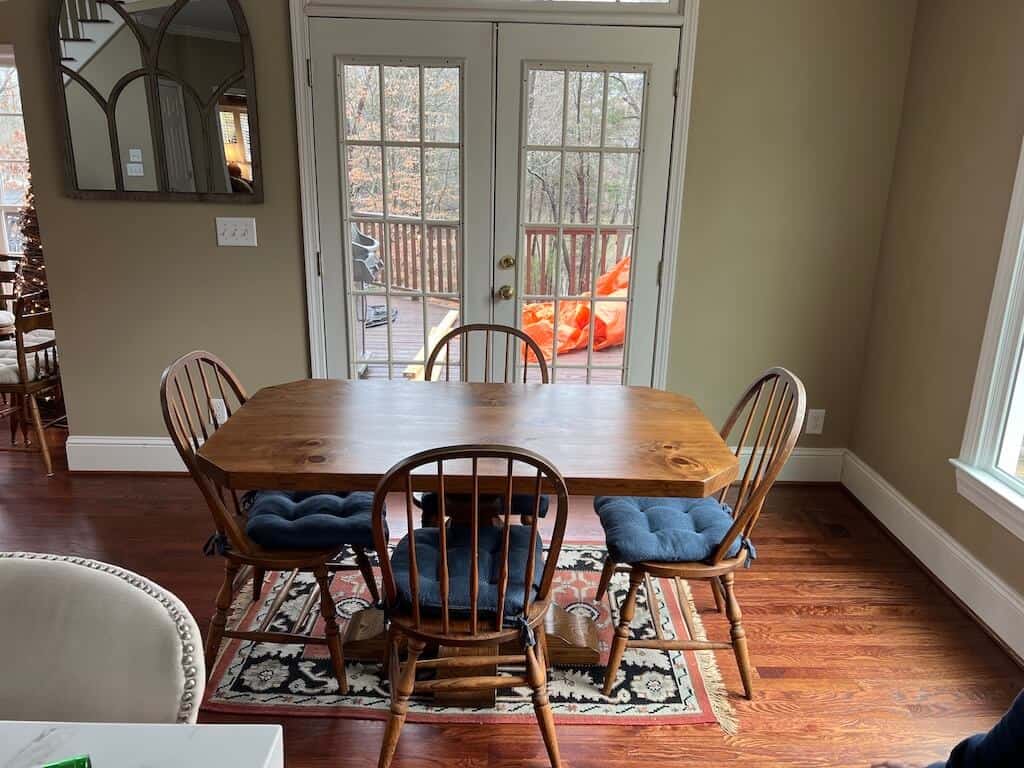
301,10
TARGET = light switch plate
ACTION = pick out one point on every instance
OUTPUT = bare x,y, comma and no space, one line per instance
135,169
135,155
236,232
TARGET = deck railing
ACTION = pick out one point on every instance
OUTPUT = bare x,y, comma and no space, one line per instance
430,261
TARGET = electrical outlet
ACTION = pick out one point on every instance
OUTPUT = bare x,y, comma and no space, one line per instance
135,169
815,421
220,410
236,232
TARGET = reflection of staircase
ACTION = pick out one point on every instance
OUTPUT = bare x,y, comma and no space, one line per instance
85,27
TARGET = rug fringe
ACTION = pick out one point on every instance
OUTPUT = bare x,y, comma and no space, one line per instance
718,695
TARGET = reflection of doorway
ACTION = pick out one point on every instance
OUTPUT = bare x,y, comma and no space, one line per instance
177,146
469,230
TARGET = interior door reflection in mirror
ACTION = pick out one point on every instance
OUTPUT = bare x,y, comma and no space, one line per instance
159,97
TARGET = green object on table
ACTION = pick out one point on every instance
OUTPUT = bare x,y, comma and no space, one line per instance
82,761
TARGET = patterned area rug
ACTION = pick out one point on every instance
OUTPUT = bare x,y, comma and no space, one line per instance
655,687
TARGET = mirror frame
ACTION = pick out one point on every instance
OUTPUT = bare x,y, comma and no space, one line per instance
150,70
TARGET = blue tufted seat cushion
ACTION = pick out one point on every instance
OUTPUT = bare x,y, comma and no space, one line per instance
641,529
298,520
428,561
522,503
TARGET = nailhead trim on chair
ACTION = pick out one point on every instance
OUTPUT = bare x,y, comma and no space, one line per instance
178,613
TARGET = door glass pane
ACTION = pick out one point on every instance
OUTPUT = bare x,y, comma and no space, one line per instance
578,216
576,256
544,100
441,184
580,195
362,102
441,104
403,181
540,199
625,109
583,121
618,187
366,194
402,103
404,208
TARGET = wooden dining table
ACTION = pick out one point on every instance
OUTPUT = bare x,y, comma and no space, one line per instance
340,435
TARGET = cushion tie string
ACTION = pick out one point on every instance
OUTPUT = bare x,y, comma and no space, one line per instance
751,550
217,544
526,632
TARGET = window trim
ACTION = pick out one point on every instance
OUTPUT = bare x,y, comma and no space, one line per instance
978,477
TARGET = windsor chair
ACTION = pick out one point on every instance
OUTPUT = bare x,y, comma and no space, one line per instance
502,339
703,539
469,586
198,395
28,368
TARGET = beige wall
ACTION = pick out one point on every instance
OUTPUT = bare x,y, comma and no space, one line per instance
795,116
136,284
954,171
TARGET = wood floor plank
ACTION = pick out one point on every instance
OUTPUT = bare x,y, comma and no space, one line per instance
859,657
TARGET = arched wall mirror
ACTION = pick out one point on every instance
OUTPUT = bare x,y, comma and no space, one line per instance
159,99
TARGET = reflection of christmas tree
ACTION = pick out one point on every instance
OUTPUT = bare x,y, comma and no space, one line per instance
33,271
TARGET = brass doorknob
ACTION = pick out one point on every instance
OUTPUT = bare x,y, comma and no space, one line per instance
507,262
506,292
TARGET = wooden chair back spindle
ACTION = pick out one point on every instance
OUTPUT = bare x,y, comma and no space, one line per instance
468,335
468,622
771,411
189,389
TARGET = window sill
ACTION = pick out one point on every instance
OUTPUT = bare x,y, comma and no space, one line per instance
992,496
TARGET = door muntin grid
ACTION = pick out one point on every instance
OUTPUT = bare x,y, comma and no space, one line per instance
391,155
581,163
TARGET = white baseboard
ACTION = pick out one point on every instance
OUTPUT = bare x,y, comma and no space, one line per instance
989,597
808,465
91,453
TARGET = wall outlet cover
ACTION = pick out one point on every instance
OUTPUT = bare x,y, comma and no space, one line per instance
236,232
135,169
815,423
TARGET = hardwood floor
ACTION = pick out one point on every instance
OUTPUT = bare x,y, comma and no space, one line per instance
859,657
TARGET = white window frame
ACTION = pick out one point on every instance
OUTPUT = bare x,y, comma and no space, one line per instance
978,476
7,60
682,14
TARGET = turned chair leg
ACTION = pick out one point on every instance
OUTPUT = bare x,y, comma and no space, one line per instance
367,570
220,618
606,577
14,419
536,673
716,590
331,629
739,635
37,422
402,686
258,575
621,639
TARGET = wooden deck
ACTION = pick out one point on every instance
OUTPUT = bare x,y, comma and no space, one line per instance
407,344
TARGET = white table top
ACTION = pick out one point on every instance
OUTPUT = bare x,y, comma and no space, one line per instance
129,745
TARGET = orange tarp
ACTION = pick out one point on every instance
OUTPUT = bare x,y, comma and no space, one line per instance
538,319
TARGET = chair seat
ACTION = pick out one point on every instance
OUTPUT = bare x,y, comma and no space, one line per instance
522,503
664,530
297,520
428,561
6,318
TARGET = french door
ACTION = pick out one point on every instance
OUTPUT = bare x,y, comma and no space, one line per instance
475,172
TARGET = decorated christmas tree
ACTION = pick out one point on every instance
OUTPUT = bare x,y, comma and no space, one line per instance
33,271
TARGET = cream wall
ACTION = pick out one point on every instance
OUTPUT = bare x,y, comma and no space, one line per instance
136,284
957,155
795,116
